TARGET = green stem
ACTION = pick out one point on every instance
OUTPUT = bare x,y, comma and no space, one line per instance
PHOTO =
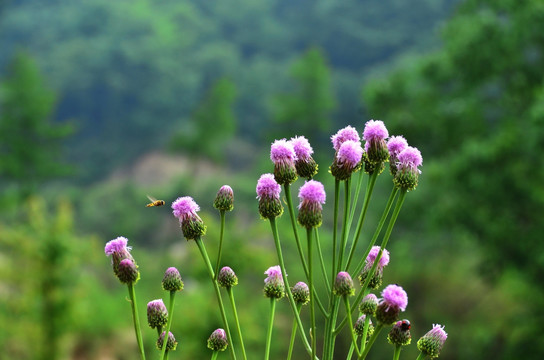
204,254
214,355
322,261
350,352
368,195
373,338
309,232
421,356
347,200
377,232
365,333
396,354
356,197
353,337
221,233
335,227
293,333
286,283
237,321
136,320
270,327
170,316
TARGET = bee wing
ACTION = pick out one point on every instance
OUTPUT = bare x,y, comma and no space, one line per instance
151,198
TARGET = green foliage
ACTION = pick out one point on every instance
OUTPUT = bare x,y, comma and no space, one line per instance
30,142
213,123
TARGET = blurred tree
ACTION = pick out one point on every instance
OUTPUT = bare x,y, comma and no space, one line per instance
307,109
478,103
212,124
30,142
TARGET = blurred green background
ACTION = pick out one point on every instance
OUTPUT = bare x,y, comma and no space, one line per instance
103,102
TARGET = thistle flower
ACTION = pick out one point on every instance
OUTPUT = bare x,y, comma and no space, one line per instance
312,196
268,193
394,300
283,156
172,280
224,200
127,272
432,342
227,278
301,293
118,250
347,160
171,343
157,315
395,145
407,174
273,284
376,280
304,163
347,133
343,284
369,304
374,135
358,327
218,340
192,226
400,333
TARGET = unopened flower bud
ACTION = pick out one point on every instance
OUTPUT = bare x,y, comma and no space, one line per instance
370,167
218,340
127,272
157,315
273,284
118,250
268,193
192,226
343,284
227,278
304,163
283,156
171,343
375,134
224,201
376,279
400,333
347,160
172,280
312,196
301,293
394,300
407,174
368,305
432,342
359,326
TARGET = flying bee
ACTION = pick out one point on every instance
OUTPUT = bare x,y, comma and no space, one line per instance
154,202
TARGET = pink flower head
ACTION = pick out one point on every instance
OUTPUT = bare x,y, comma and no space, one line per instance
395,145
312,192
302,147
117,246
273,273
375,130
373,254
350,153
394,297
268,187
438,333
347,133
282,151
185,208
409,159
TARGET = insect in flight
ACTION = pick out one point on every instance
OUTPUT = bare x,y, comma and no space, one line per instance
154,202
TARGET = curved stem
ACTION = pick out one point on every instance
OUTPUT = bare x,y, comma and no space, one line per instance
396,354
352,333
286,283
293,333
204,254
221,233
365,333
168,324
237,321
347,200
379,328
270,327
309,232
136,320
356,198
322,261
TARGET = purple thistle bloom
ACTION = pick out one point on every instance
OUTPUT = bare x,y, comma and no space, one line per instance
273,273
118,245
127,272
267,187
282,151
409,159
373,254
312,192
395,145
347,133
185,208
375,130
273,284
302,147
395,298
350,153
119,251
